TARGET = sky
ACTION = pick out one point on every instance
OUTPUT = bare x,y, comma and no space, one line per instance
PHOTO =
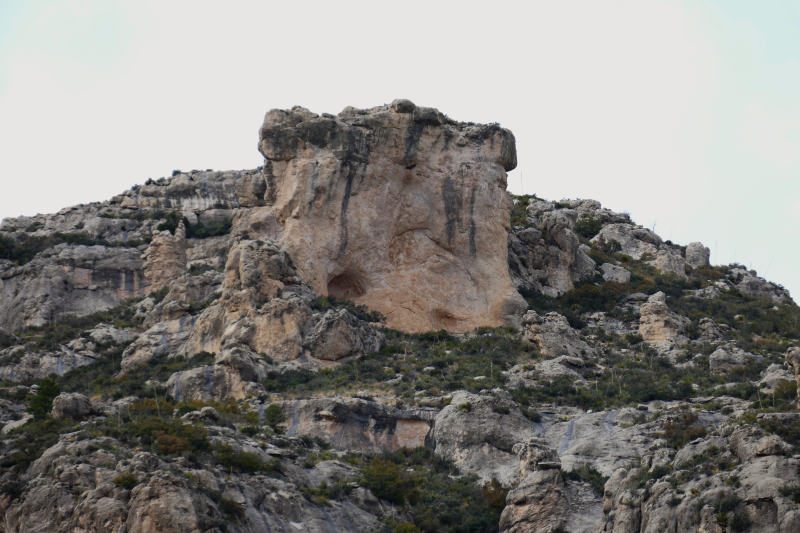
683,113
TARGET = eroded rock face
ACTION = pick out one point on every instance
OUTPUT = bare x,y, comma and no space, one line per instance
398,208
751,488
539,503
749,283
358,424
69,280
165,258
793,362
550,259
480,439
615,273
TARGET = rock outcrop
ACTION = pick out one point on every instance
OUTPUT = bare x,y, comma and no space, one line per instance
549,259
697,255
398,208
553,336
749,283
658,325
479,438
358,424
724,359
793,362
165,258
539,503
69,280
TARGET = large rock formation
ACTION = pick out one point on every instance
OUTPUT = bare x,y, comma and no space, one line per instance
69,280
165,258
478,432
396,207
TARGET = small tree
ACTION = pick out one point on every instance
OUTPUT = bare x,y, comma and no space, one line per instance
42,402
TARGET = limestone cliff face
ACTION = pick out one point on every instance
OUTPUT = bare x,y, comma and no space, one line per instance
165,258
396,207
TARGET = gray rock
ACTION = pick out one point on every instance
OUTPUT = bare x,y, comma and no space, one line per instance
553,335
724,359
615,273
480,439
697,255
71,405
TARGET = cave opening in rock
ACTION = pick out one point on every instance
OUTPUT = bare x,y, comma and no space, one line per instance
347,285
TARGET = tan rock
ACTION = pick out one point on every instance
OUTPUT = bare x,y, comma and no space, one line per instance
669,261
165,504
398,208
165,258
657,324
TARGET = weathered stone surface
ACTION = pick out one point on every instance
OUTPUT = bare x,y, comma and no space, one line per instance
165,258
724,359
553,335
414,214
537,505
669,261
184,292
235,374
635,240
710,331
338,335
697,255
615,273
69,280
357,424
6,338
479,439
659,325
71,405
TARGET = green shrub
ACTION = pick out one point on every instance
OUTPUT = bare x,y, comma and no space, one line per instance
242,461
42,401
589,475
126,480
389,482
274,417
588,226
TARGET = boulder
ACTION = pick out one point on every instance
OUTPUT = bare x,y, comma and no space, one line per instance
697,255
553,336
724,359
615,273
710,331
338,335
401,234
71,405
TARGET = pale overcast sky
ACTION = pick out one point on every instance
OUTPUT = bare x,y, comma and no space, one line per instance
684,113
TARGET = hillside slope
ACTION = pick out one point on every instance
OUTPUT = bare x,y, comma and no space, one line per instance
223,351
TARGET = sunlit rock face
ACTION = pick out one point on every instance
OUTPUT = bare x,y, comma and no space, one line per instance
396,207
